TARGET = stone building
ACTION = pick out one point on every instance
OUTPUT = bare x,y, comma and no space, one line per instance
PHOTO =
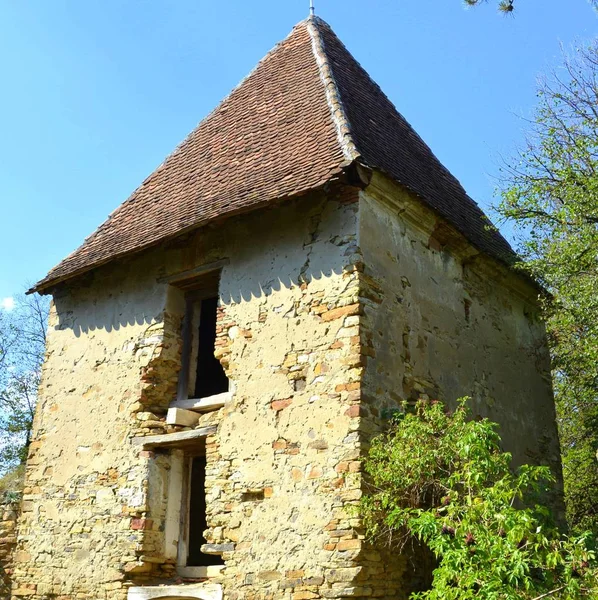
223,347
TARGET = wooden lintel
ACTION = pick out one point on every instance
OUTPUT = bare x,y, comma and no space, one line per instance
203,591
197,271
175,440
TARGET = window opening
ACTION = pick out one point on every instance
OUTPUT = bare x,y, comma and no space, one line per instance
197,516
210,378
202,375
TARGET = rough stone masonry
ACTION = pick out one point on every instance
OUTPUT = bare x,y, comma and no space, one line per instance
352,301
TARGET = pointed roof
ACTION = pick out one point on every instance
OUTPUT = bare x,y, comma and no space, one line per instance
305,114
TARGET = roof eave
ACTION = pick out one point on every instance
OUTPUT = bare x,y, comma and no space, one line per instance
346,171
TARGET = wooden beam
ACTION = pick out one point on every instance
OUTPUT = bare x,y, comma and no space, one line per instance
175,440
192,273
183,384
180,416
203,404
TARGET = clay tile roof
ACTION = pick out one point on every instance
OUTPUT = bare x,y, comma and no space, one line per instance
304,114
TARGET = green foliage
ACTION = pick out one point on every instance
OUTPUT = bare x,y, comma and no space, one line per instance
442,478
505,6
551,196
508,6
11,482
22,346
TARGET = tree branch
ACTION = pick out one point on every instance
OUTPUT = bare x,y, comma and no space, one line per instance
556,591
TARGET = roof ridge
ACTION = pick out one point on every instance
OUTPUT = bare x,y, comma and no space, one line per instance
379,89
333,96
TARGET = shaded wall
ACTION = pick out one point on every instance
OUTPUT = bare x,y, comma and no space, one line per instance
443,322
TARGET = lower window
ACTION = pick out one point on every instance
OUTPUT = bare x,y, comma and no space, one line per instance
193,516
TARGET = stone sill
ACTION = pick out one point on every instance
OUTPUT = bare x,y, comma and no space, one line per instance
201,591
217,548
207,404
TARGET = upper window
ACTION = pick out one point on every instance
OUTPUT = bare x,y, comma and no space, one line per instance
202,375
210,378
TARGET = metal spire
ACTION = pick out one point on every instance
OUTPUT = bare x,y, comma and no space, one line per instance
312,10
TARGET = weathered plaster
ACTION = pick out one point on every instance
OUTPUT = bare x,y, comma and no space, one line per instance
441,321
445,322
333,308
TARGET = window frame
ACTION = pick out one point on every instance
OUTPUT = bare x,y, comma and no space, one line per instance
184,532
178,509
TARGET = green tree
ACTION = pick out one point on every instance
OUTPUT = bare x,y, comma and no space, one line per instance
442,479
550,195
508,6
22,347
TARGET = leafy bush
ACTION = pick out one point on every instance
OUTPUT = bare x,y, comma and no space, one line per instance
442,479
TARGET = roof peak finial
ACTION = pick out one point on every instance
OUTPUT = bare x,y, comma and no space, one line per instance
312,10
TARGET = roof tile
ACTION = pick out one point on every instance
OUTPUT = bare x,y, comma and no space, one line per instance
303,115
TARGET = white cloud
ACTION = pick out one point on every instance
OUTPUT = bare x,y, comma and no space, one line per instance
7,303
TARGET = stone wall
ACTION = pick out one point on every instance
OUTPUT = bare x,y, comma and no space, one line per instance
9,511
438,320
283,465
84,495
333,308
293,355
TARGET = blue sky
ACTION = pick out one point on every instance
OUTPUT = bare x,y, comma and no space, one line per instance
96,93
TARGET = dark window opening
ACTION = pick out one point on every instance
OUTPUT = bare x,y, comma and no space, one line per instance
210,378
197,517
